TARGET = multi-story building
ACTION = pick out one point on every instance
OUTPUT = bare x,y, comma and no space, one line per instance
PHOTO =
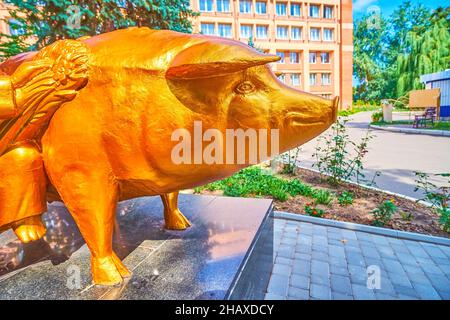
4,28
313,38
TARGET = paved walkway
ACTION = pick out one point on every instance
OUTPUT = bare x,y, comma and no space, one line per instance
395,155
313,261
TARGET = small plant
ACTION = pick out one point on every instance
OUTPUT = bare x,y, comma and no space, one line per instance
439,197
323,196
383,213
312,211
290,160
377,116
334,158
406,216
345,198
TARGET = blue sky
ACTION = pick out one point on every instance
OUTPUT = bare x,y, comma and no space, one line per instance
387,6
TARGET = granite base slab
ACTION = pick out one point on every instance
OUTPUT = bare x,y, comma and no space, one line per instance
214,259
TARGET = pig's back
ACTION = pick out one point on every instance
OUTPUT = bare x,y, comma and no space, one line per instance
138,48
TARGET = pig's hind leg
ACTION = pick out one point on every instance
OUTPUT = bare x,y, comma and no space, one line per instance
173,217
91,197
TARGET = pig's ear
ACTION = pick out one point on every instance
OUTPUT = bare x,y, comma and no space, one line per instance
215,58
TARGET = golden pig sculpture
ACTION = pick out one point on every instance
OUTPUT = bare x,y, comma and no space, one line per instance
114,141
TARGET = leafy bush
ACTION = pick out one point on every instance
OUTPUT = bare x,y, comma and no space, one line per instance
345,198
313,211
439,197
333,157
407,216
377,116
383,213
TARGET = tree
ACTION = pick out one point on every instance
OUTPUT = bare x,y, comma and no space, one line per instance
37,23
390,56
429,52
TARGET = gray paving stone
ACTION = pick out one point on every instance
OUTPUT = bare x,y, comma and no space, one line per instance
370,252
320,248
300,281
433,250
281,269
400,248
445,295
340,284
339,262
283,260
406,290
419,278
321,256
340,296
400,280
285,251
302,256
304,239
278,284
320,279
298,294
406,259
380,240
336,251
440,283
302,267
362,292
384,296
320,292
349,234
303,249
426,292
418,251
356,259
337,270
385,251
393,266
273,296
320,267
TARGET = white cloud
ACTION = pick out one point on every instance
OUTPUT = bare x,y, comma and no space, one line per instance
360,5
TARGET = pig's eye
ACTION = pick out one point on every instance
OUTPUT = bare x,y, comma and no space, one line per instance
245,87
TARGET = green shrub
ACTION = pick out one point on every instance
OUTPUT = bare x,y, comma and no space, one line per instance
383,213
377,116
323,196
345,198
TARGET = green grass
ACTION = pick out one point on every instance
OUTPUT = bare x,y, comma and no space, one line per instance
357,109
442,125
257,182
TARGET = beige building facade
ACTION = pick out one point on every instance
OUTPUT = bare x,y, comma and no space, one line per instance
313,38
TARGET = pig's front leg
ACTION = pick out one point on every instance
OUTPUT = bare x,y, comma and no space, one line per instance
175,220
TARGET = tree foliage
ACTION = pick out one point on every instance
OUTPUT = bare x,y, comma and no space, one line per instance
391,54
37,23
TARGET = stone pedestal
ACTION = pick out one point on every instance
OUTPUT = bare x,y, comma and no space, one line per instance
222,256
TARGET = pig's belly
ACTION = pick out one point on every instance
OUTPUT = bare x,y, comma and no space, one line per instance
165,182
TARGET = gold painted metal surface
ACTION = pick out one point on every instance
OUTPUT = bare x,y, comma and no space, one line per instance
112,141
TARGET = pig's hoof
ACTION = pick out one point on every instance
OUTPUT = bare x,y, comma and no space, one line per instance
105,272
176,221
29,229
121,267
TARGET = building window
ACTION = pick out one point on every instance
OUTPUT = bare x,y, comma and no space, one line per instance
281,55
312,57
295,9
314,34
281,8
325,57
261,7
206,5
312,79
208,28
261,32
282,32
225,30
295,79
314,11
296,33
326,79
245,6
294,57
326,96
328,12
282,77
223,5
246,31
328,34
